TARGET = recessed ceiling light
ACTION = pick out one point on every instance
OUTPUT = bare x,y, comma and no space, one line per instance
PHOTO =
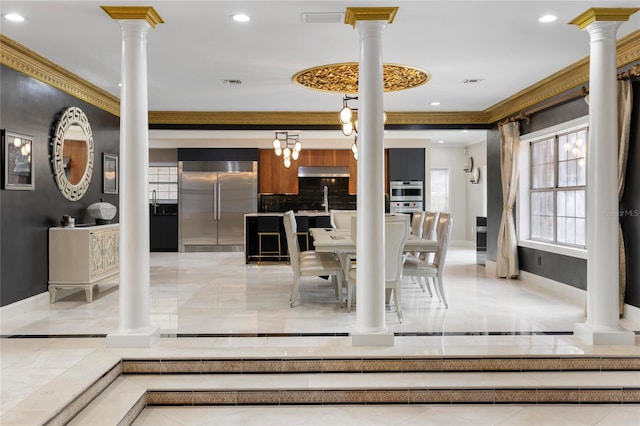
240,17
13,17
435,103
465,131
440,141
547,18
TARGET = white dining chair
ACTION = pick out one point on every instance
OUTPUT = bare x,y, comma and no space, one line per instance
396,232
341,219
309,263
416,223
423,269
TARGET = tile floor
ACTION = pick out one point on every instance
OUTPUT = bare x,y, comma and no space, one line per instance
205,297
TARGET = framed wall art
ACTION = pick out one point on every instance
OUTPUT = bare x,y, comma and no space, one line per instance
17,151
109,173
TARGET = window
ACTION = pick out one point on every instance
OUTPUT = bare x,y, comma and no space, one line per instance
440,190
557,188
163,180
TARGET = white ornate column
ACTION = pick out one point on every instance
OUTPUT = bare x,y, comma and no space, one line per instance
603,325
370,310
134,290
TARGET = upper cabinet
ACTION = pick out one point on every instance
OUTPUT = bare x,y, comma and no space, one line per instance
274,177
406,164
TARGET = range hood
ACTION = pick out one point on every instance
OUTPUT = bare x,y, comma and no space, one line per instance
323,171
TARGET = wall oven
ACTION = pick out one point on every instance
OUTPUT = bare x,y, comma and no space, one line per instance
406,190
405,206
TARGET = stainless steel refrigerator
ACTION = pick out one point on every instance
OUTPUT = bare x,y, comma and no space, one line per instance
213,198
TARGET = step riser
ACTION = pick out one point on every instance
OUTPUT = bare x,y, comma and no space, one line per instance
413,365
395,396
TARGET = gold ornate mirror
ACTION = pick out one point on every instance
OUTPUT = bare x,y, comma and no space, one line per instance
72,155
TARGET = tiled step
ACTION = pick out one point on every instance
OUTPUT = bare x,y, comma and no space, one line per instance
330,381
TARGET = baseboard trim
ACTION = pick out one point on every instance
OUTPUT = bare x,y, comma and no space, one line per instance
25,305
555,288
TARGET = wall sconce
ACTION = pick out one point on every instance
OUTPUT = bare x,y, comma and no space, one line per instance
474,176
287,145
468,166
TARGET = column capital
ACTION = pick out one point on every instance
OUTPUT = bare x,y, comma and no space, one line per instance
354,14
146,13
596,14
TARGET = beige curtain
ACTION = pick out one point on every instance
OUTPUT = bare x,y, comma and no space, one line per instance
625,103
507,257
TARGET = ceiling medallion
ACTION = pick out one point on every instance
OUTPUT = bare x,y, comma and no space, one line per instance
343,78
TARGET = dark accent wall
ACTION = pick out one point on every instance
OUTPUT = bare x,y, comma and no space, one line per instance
30,106
566,269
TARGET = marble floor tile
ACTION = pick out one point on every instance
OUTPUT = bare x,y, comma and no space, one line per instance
199,300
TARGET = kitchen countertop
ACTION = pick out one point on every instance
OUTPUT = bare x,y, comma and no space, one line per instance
299,213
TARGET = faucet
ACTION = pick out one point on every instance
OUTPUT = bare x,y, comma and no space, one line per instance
325,199
154,201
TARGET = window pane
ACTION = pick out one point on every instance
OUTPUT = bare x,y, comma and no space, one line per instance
561,204
581,209
571,230
549,204
561,229
570,206
581,179
562,173
440,190
580,232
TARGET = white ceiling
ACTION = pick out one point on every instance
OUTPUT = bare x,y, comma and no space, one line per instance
500,43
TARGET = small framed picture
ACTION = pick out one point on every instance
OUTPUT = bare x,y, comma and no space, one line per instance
17,150
109,173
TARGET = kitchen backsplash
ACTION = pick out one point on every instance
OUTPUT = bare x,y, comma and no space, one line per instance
310,196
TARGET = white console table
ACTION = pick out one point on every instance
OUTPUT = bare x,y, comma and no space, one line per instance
81,257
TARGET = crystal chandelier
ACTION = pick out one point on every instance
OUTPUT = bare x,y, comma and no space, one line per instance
288,145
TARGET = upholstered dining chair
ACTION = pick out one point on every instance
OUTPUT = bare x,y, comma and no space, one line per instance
309,263
429,222
416,223
396,232
420,267
341,219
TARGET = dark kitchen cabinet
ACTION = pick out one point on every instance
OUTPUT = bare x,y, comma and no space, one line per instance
163,232
406,164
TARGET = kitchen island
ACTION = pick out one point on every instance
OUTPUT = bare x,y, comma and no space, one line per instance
273,247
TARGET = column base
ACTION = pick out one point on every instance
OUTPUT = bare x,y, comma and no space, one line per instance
384,338
604,336
142,339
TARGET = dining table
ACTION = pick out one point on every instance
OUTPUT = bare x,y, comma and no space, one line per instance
339,241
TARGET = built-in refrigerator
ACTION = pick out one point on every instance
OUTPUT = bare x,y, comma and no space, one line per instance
213,198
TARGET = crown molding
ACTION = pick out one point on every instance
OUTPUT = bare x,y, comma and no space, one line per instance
22,59
571,77
295,118
146,13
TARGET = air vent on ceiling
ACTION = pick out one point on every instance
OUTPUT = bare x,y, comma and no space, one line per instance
322,17
232,82
472,80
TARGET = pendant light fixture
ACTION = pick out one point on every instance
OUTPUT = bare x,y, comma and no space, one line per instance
288,145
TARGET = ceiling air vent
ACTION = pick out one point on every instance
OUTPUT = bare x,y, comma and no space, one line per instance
472,81
231,82
322,18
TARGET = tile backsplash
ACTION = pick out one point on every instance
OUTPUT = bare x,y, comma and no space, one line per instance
310,196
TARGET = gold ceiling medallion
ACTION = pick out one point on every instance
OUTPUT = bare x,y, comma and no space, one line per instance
343,77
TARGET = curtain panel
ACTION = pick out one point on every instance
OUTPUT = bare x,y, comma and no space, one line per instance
507,257
625,104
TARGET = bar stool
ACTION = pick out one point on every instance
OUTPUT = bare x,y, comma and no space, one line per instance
269,227
303,231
